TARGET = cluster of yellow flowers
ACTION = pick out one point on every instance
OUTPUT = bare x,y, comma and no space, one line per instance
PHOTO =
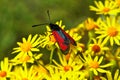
96,56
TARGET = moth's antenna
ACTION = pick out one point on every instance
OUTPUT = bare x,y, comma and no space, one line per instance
48,16
39,24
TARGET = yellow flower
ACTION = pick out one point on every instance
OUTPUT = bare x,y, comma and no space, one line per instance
48,39
109,30
42,72
26,59
27,47
114,57
96,48
5,69
99,78
56,74
68,64
108,7
24,73
117,2
113,76
90,24
117,55
76,37
70,68
95,64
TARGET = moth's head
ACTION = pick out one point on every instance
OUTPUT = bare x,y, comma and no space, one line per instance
54,26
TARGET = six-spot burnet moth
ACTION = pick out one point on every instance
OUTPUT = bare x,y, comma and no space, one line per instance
63,39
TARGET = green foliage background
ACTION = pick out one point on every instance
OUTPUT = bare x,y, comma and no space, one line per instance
17,17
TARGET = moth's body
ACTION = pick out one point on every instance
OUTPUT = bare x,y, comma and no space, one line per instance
63,39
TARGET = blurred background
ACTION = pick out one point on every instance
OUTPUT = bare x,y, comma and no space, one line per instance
18,16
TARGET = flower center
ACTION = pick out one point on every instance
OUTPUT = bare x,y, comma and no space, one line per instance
52,39
118,2
94,64
96,48
26,47
3,73
24,79
25,59
112,31
97,78
67,68
90,25
106,10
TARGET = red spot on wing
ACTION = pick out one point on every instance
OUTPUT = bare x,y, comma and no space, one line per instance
60,41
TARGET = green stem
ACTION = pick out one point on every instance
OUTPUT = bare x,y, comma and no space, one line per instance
51,55
91,75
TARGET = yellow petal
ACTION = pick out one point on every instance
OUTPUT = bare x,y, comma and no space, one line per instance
100,60
34,38
116,74
29,38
